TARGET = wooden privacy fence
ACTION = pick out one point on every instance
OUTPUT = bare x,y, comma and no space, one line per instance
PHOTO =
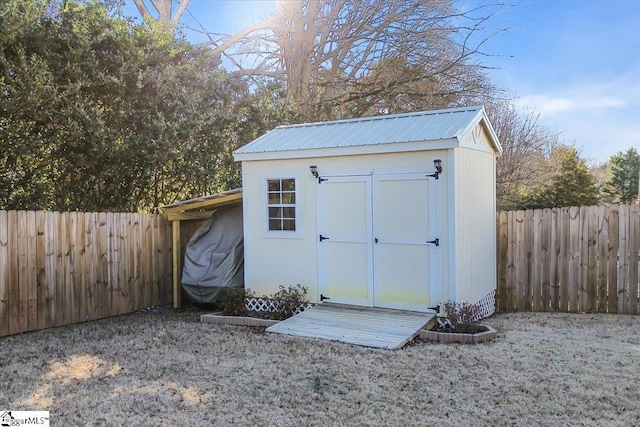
569,259
62,268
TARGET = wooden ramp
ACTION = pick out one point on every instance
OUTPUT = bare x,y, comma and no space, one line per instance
370,327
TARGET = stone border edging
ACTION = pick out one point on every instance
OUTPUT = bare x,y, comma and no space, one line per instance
449,337
236,320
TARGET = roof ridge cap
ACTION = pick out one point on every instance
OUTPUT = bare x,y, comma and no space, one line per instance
385,117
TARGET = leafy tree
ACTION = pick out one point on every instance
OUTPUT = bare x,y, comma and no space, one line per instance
621,184
99,114
572,185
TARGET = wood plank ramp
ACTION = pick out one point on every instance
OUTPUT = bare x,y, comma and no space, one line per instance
370,327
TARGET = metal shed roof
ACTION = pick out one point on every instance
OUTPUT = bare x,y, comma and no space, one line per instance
452,123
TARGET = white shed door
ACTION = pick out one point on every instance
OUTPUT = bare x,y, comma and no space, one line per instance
403,224
345,241
373,239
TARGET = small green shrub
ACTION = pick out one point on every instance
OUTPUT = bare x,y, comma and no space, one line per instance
288,301
464,317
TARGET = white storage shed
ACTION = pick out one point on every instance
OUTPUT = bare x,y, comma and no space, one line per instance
394,211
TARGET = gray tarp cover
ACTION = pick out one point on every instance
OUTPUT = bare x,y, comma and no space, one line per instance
214,257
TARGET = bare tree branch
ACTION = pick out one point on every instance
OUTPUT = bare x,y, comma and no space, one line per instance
164,8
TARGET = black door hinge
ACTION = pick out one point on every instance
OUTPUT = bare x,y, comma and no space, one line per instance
434,242
436,308
322,298
433,175
321,180
323,238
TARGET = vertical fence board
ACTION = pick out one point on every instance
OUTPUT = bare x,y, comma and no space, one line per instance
145,296
168,261
70,272
634,248
602,244
90,265
612,267
536,260
575,238
31,271
23,268
563,260
59,251
4,275
137,254
545,260
41,278
520,261
50,267
125,220
589,302
14,279
156,260
511,266
81,257
584,258
116,289
102,272
502,246
623,270
529,251
554,248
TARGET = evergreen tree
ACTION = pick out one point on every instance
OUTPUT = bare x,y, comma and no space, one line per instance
573,185
621,184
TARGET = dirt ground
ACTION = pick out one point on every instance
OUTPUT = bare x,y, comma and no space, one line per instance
165,368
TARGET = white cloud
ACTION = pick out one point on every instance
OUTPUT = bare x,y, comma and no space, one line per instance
548,105
586,96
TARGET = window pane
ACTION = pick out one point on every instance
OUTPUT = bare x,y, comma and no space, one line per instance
273,184
274,199
275,213
288,185
281,200
289,198
275,224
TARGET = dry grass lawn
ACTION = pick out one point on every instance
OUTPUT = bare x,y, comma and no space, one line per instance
170,369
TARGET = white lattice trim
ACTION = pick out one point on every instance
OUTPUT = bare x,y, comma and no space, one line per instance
268,305
487,305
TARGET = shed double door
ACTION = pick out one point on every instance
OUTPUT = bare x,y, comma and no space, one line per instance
376,242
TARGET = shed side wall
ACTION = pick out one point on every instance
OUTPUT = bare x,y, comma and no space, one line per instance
475,223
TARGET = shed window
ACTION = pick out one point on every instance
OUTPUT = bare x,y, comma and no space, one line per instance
281,204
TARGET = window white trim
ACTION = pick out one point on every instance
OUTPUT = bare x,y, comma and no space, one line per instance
264,209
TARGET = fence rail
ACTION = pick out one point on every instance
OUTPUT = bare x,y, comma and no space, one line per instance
578,259
62,268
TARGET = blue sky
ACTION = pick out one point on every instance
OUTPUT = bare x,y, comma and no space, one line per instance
575,62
